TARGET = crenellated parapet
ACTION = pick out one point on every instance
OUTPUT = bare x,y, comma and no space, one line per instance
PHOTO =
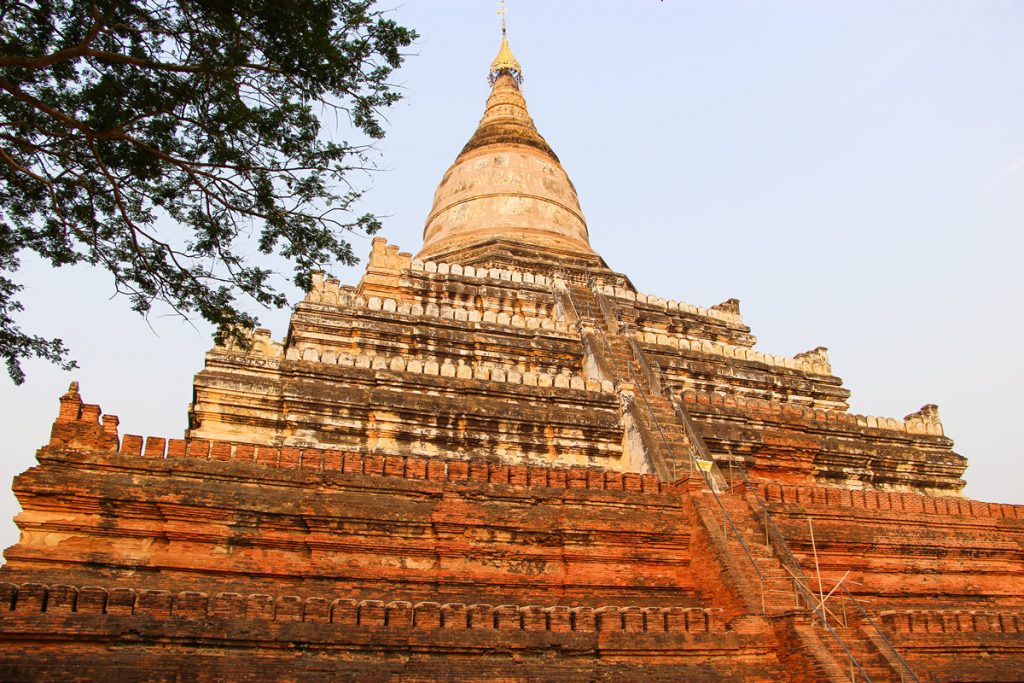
781,411
348,298
392,273
69,601
728,311
485,371
791,443
811,362
836,498
381,465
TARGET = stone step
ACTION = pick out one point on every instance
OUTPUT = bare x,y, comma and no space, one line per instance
757,551
751,539
870,661
768,564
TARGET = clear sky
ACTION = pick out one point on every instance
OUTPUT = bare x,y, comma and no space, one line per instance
852,172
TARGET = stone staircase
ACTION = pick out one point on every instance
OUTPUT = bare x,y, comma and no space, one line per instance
857,641
769,590
668,442
781,604
793,621
779,596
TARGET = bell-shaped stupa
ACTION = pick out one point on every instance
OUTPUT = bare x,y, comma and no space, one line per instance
506,184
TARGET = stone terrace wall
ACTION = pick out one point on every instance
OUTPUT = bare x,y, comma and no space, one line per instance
907,550
221,516
798,444
382,565
229,636
959,645
430,359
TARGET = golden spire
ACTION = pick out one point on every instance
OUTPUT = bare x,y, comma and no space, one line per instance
505,62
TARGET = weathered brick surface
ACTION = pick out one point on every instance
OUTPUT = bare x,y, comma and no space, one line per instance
242,526
500,465
907,550
371,633
466,535
209,542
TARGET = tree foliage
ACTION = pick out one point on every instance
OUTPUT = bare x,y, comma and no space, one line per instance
161,139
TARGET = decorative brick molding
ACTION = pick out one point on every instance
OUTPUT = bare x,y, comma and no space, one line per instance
832,497
952,621
429,365
923,422
35,598
82,430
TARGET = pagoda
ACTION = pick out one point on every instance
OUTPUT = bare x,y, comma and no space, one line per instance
496,460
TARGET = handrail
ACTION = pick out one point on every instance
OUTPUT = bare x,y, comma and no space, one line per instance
778,539
892,648
695,437
643,395
609,320
786,555
609,317
779,544
642,362
568,289
698,442
775,536
652,379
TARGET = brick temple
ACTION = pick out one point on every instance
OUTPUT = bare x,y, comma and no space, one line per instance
496,460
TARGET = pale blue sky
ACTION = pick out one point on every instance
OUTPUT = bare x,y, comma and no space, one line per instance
853,173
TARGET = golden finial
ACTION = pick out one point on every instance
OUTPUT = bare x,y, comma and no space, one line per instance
505,62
